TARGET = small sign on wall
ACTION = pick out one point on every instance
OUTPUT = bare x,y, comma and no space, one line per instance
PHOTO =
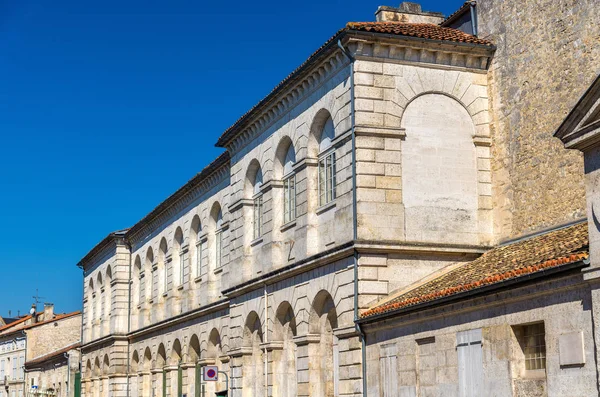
571,349
210,374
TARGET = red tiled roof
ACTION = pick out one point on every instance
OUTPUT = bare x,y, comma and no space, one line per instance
427,31
507,262
57,317
417,30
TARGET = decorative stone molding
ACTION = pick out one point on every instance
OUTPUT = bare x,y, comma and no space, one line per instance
273,345
384,132
203,362
307,339
240,352
480,140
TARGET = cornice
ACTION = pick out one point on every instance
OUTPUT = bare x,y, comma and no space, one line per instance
211,176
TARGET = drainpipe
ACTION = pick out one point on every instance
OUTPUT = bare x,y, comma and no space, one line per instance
362,335
129,321
473,18
266,340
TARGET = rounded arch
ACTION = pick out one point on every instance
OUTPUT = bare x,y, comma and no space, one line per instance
195,228
285,324
109,274
254,179
88,368
149,258
147,359
161,357
252,330
439,148
91,285
163,249
322,132
97,367
214,344
178,238
137,265
99,282
106,365
285,158
176,353
323,313
216,216
135,361
194,349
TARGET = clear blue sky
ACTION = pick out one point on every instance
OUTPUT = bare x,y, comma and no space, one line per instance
107,107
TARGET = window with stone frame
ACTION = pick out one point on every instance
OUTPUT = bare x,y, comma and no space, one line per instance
219,240
199,267
289,186
532,341
327,164
257,219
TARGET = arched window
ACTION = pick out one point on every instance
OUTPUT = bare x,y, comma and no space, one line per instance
164,249
327,166
289,185
257,196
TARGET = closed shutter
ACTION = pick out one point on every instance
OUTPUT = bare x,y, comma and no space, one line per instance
388,369
470,363
197,380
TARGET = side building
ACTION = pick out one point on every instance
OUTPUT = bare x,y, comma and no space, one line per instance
365,170
30,338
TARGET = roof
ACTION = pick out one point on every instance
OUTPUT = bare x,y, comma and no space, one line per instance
52,355
573,126
57,317
196,180
458,13
423,31
107,240
513,261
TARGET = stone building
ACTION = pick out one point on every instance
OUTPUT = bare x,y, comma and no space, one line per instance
31,337
375,168
53,356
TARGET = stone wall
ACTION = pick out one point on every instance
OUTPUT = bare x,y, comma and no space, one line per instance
48,338
547,55
423,345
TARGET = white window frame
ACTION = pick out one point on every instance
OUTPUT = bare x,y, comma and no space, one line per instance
289,198
327,177
257,215
181,267
199,258
218,248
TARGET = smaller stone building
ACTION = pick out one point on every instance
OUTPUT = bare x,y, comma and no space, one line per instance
37,338
54,373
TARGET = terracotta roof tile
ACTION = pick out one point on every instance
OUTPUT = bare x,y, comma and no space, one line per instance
427,31
511,261
417,30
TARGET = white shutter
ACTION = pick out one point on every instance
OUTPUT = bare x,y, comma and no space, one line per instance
470,363
388,369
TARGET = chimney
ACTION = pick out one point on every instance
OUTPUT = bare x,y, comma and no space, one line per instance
33,313
408,12
48,311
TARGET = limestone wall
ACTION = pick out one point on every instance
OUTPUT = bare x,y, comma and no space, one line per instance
424,345
547,55
47,338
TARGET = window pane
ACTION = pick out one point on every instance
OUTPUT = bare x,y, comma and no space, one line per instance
218,239
322,182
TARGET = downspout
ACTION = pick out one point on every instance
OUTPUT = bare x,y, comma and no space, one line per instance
473,18
266,340
129,321
362,335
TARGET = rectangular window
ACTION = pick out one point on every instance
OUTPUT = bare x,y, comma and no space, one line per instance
218,246
199,270
327,178
14,369
22,367
532,339
181,268
142,288
388,369
289,199
258,216
2,370
470,363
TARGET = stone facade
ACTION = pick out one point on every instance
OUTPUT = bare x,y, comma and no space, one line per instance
537,184
260,264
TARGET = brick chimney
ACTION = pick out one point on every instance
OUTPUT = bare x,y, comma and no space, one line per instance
48,311
408,12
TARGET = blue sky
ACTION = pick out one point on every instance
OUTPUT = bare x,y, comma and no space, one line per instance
106,108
